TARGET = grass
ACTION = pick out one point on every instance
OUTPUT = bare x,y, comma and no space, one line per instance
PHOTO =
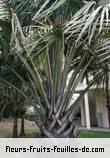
6,129
93,134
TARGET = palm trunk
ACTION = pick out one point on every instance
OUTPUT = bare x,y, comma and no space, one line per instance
108,93
56,129
2,112
0,117
15,127
22,133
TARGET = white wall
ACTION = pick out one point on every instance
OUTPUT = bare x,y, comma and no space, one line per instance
101,109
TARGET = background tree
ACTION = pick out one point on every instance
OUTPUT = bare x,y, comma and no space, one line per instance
13,106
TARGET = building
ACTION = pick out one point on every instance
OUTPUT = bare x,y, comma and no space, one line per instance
93,108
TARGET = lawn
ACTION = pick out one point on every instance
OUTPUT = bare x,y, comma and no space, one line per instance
93,134
6,128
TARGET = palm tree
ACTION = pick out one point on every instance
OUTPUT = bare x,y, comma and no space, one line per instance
48,50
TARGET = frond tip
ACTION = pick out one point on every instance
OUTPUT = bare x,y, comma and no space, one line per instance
5,12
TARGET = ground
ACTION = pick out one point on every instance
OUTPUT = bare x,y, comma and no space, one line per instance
32,130
6,128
